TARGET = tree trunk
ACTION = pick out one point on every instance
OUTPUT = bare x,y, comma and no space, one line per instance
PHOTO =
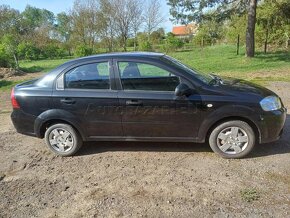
250,34
16,61
238,45
287,41
124,43
266,41
135,41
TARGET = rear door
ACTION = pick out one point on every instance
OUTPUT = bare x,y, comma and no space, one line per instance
86,92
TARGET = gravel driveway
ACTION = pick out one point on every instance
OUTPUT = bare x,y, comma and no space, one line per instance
122,179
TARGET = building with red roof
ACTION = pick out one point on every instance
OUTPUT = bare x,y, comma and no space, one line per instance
185,31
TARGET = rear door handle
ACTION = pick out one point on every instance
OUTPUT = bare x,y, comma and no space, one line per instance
134,103
67,101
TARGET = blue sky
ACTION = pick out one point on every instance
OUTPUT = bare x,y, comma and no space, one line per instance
57,6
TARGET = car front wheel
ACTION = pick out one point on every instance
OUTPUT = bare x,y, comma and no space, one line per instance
63,139
232,139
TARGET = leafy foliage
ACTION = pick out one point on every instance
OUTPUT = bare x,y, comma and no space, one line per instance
83,50
172,43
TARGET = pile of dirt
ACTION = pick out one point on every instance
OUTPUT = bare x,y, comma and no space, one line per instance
10,72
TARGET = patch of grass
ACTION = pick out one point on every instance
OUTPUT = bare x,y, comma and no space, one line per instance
223,58
5,112
6,85
250,195
32,69
41,65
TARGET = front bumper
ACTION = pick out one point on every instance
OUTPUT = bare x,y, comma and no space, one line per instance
23,122
271,125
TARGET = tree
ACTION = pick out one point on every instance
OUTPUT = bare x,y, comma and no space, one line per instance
185,11
10,43
153,16
124,13
10,20
108,28
209,32
273,21
85,22
36,17
284,8
157,36
235,27
5,59
137,20
64,29
250,33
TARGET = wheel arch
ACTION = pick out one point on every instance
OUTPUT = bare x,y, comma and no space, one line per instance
51,122
51,117
232,118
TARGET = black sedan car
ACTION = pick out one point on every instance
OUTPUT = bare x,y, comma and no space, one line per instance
145,97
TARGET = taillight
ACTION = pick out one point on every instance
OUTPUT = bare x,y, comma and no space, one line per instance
14,102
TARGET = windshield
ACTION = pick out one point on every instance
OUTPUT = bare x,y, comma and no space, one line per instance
203,77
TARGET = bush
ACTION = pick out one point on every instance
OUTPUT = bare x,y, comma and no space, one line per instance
5,60
50,51
130,42
27,50
61,52
172,43
83,50
145,46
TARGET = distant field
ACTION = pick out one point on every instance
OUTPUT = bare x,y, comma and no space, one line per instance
41,65
221,59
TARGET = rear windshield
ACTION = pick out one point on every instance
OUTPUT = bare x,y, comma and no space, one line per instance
45,81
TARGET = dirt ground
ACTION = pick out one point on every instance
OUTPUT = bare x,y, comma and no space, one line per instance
122,179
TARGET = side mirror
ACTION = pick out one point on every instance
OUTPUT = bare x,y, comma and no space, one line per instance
183,90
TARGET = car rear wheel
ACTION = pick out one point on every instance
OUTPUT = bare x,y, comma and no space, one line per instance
232,139
63,139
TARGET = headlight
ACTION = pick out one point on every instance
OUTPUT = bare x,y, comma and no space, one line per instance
271,103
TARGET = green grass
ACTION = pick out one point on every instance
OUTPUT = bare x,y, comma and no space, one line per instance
250,195
6,85
41,65
223,58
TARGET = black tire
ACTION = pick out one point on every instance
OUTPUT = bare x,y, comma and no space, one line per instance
244,130
74,140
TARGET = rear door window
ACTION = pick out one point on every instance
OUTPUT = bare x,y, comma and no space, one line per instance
88,76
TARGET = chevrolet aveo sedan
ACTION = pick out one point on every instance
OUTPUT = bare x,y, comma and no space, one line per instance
145,97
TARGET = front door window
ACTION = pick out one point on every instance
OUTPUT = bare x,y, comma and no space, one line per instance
142,76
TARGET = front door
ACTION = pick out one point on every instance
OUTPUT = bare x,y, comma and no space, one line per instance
150,108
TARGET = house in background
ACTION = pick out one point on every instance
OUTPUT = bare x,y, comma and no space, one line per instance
185,31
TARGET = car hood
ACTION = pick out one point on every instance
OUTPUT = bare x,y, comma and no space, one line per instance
243,87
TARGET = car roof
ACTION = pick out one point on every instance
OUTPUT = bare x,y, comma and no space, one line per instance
116,55
122,55
150,55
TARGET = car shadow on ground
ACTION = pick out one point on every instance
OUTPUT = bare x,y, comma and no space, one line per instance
280,147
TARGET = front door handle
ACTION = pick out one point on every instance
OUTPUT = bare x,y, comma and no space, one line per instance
67,101
134,103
